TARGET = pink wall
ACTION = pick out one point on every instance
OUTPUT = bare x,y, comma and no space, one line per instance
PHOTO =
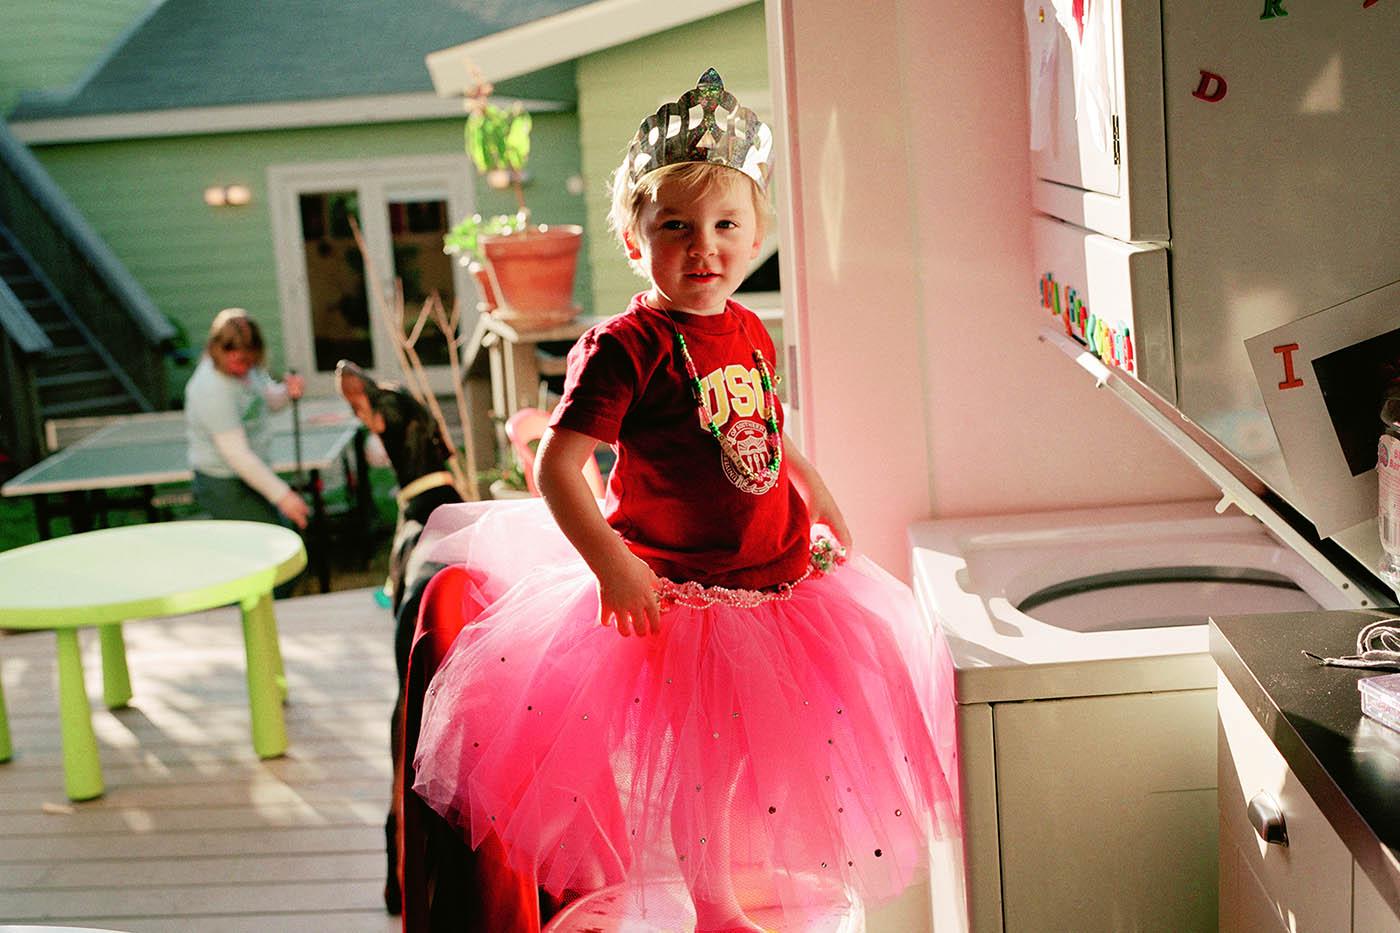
925,391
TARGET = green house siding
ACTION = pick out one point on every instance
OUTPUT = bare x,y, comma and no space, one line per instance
145,198
618,87
50,44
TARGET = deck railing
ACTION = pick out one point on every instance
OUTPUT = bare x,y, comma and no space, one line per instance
21,341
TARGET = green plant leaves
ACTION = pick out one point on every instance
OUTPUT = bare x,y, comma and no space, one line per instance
496,140
517,142
499,139
465,237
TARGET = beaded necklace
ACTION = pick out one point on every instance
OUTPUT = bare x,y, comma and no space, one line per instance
772,440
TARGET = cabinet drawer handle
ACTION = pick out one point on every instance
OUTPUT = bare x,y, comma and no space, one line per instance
1267,820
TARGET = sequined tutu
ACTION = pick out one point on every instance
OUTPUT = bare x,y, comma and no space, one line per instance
806,743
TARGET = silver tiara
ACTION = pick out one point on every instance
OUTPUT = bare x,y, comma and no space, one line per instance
707,124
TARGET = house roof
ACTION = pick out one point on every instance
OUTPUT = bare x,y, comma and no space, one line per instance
192,54
546,42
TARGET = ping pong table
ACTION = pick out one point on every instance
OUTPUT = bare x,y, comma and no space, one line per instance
145,450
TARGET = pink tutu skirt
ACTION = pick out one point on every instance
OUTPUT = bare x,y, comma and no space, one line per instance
805,745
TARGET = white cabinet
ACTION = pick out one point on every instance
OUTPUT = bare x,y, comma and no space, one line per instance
1097,131
1303,878
1369,911
1106,813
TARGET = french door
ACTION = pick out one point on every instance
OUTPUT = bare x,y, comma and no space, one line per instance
334,298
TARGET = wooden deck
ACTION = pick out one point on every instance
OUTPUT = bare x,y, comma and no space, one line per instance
194,832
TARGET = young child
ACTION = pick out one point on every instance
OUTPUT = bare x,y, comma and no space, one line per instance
775,728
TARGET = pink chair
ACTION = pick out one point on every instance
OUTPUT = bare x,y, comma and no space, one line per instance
524,430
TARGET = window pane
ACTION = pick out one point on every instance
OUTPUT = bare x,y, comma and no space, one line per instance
335,278
417,224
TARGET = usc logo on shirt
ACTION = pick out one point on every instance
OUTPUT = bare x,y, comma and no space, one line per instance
733,390
738,391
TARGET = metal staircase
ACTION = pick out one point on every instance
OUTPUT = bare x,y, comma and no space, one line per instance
78,376
79,336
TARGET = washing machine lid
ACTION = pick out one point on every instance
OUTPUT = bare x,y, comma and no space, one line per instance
973,578
1355,548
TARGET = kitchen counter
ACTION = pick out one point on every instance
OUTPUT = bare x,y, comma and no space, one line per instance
1348,763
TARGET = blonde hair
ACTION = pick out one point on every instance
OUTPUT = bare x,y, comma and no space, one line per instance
234,330
703,177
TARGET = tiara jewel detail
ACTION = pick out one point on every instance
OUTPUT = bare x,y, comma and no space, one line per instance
707,124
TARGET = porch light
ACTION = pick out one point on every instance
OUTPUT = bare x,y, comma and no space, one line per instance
227,195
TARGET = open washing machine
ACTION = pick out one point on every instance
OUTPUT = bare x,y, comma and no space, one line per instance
1086,702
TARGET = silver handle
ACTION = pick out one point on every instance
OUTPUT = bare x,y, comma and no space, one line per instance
1267,819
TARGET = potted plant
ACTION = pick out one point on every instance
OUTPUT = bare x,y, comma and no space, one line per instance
506,483
464,241
526,271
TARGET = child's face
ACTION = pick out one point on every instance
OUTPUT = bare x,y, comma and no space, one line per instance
696,248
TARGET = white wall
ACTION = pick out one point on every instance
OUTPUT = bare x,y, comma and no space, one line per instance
925,391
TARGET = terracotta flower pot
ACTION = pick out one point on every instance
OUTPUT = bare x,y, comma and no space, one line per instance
484,288
533,272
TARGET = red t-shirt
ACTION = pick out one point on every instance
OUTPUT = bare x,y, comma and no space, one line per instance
673,496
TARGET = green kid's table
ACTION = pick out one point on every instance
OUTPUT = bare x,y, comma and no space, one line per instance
104,578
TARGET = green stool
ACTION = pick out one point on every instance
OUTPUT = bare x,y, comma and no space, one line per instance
7,750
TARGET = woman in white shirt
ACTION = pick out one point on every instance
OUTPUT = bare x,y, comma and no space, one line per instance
227,401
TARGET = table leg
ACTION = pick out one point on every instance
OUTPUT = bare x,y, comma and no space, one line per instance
364,495
279,671
522,375
500,394
264,663
79,511
41,515
320,534
7,750
148,502
99,509
116,681
82,769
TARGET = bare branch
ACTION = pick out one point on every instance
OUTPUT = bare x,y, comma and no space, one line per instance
415,375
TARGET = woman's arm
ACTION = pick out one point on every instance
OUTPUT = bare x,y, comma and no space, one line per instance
233,448
626,585
821,506
279,394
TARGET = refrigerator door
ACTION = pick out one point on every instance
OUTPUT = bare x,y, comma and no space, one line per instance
1111,295
1285,192
1277,125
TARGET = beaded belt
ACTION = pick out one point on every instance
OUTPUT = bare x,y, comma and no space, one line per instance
825,556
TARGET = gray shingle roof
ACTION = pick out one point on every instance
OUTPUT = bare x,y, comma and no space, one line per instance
206,53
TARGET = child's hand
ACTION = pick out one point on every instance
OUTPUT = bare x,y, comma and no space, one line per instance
627,593
822,510
836,523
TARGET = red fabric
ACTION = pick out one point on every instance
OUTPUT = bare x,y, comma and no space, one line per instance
627,386
447,885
